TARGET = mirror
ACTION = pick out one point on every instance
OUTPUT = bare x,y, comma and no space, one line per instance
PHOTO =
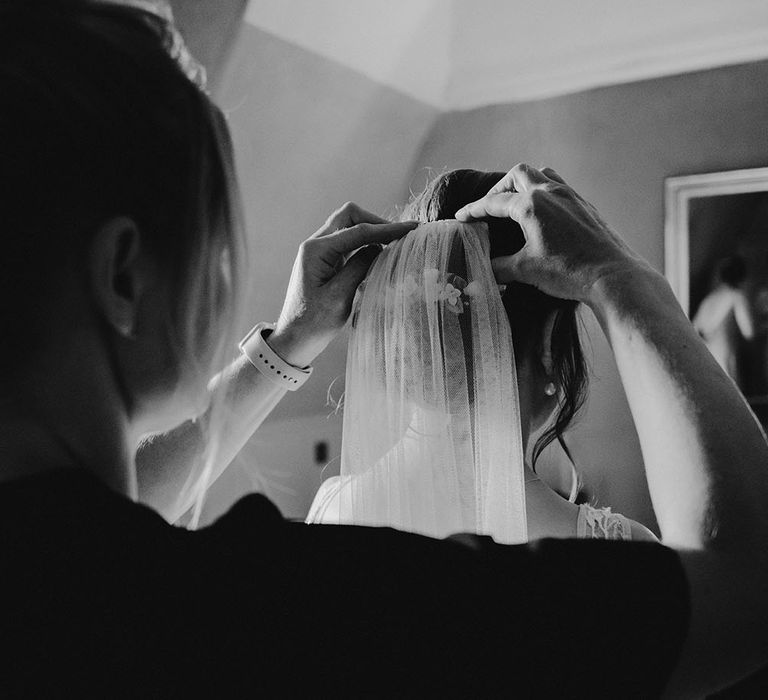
716,259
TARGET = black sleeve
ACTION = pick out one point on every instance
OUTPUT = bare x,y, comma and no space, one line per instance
292,610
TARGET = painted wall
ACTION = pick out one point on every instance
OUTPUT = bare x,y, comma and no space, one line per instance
309,135
616,145
280,461
210,29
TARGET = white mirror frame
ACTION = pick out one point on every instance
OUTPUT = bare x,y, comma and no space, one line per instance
678,191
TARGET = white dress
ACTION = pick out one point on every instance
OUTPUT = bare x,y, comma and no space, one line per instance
592,523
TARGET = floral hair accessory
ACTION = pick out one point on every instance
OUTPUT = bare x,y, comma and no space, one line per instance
452,297
452,291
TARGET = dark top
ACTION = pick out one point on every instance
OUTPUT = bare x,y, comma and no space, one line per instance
104,599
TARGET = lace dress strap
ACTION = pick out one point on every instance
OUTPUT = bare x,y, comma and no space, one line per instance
602,524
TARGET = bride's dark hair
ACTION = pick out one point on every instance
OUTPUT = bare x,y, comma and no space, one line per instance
528,309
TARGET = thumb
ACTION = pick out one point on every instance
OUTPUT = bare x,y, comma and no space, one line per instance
512,268
354,271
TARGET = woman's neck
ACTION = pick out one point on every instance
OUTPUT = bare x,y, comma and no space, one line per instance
64,411
29,448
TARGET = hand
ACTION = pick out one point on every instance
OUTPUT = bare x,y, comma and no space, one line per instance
324,280
568,248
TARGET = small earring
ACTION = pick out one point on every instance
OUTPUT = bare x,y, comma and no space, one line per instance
550,389
126,331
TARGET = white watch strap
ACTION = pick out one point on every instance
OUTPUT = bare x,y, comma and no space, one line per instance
268,362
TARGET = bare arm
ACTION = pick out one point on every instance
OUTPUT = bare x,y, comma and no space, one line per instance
743,314
705,454
706,460
328,269
690,419
163,462
713,312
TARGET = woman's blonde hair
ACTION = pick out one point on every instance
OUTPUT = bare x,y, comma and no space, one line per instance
105,113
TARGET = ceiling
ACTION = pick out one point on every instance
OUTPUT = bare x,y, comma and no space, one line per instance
460,54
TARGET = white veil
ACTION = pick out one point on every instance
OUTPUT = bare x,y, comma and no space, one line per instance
432,441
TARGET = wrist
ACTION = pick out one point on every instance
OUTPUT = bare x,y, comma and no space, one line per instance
294,346
265,359
617,284
632,292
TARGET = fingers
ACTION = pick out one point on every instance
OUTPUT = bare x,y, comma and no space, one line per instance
500,205
347,215
521,178
552,174
501,199
346,240
353,273
511,268
506,184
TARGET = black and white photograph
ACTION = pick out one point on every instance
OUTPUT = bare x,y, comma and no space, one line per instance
384,349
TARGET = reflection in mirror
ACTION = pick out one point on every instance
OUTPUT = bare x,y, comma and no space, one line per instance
716,246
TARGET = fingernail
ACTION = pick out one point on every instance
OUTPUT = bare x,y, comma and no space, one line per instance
460,214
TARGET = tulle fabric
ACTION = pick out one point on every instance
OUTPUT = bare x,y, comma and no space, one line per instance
432,441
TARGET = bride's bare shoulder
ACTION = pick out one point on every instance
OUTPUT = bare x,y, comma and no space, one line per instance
640,533
324,508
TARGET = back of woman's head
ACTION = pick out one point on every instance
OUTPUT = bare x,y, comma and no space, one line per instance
528,309
104,115
731,271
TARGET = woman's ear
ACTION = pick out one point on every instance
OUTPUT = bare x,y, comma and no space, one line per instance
117,274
